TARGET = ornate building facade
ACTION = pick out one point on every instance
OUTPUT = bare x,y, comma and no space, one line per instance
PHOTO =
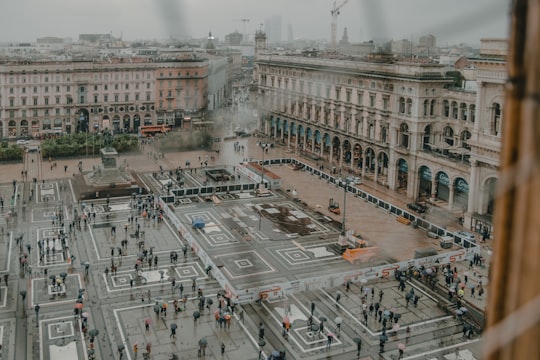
79,96
402,125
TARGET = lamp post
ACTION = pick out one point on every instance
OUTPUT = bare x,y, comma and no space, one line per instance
345,184
263,146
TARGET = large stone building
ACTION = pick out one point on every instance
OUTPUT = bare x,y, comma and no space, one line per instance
403,125
40,97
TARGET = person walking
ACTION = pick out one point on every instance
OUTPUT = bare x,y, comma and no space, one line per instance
222,349
329,340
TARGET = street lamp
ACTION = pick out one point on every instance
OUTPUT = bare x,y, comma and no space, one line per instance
264,147
345,184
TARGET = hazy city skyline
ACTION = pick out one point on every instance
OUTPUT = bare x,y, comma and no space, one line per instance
451,22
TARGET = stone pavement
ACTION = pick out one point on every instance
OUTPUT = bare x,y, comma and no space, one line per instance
113,305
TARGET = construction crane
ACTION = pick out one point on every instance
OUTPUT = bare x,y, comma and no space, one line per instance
333,29
244,20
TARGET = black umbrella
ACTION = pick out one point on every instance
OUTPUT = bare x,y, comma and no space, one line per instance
196,314
314,327
262,343
357,340
397,316
91,352
93,332
203,341
52,277
322,319
209,301
63,275
121,347
173,326
383,338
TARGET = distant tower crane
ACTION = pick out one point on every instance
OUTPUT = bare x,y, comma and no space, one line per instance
333,29
244,20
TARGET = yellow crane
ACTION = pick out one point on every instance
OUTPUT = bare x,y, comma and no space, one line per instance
335,12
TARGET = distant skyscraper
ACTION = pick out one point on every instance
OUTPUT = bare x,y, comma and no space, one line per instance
272,28
427,43
290,33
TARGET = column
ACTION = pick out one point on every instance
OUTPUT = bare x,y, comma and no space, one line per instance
364,159
331,157
412,184
376,177
450,196
5,133
289,137
471,203
340,162
433,189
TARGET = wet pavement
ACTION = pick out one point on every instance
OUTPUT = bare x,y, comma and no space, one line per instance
113,301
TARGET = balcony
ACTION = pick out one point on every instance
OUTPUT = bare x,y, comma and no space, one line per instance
457,155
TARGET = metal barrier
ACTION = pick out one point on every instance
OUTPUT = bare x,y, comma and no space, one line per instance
278,290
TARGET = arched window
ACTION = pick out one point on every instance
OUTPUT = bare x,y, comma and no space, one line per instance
454,110
448,135
496,120
384,132
465,136
463,111
426,141
360,127
409,106
371,131
432,108
401,105
404,138
426,107
472,112
446,106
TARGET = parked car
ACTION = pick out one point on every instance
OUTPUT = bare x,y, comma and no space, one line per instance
419,208
23,142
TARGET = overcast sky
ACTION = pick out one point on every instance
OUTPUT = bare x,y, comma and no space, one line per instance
451,21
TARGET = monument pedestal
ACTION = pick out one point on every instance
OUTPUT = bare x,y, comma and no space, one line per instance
109,178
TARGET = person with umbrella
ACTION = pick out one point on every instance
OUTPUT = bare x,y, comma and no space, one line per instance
329,340
147,323
93,333
173,331
202,346
148,348
196,315
401,349
408,297
382,340
338,320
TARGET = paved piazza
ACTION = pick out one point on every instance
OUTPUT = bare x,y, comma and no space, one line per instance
105,277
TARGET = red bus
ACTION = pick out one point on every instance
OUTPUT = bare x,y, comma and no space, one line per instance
151,130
